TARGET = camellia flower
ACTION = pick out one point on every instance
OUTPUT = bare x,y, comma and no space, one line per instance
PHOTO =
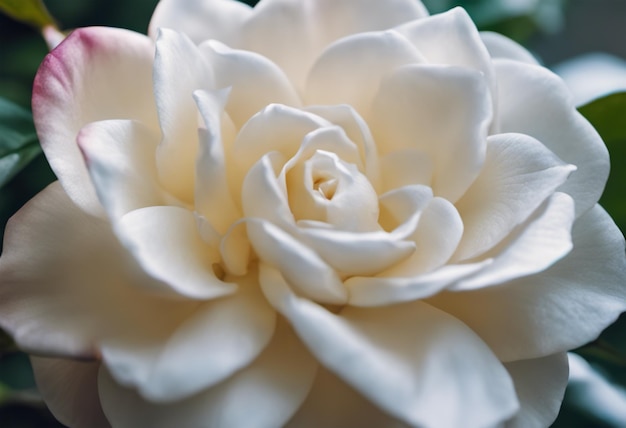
311,213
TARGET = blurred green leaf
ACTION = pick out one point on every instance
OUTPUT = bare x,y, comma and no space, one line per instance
18,140
32,12
607,114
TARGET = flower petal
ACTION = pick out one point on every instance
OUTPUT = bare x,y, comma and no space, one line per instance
72,88
70,390
218,339
540,384
200,20
292,33
63,273
173,88
538,244
270,390
518,175
167,244
121,158
254,80
213,198
442,111
404,168
561,308
332,403
350,70
302,267
414,361
501,47
536,102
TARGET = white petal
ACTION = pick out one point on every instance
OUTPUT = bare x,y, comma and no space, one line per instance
254,80
534,101
70,390
332,403
404,168
450,38
97,73
355,253
121,158
518,175
381,291
350,70
439,374
302,267
539,243
212,193
66,282
200,20
442,111
179,70
559,309
166,242
292,33
263,395
540,385
501,47
218,339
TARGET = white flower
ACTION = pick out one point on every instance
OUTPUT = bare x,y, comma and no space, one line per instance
331,213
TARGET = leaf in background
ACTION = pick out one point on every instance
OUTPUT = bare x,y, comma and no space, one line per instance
18,140
607,115
32,12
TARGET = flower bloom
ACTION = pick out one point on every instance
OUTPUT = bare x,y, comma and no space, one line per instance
330,213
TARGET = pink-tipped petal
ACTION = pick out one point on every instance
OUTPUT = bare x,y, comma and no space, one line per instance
74,87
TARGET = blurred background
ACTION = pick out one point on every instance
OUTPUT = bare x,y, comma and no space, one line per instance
561,33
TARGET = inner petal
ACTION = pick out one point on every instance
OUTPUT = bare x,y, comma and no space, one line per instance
326,188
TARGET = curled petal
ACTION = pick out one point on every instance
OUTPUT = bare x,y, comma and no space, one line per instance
501,47
417,363
173,88
558,309
534,101
72,88
518,175
167,244
254,80
540,385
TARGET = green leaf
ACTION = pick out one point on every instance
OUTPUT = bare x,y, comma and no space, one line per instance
607,114
18,140
32,12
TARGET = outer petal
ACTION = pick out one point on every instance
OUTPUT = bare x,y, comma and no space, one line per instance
73,87
561,308
501,47
540,385
219,338
166,242
121,158
534,101
70,390
292,33
333,404
415,362
441,110
518,175
200,20
263,395
66,282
